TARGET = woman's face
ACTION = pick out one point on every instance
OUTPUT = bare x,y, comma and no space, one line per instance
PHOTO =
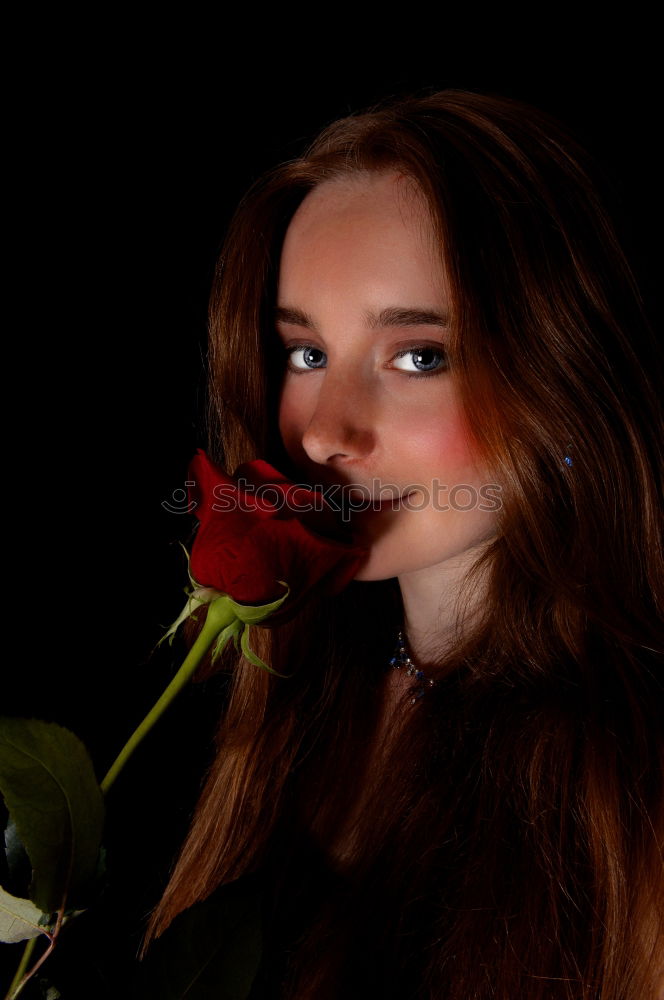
367,400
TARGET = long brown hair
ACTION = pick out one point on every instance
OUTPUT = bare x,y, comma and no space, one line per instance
510,843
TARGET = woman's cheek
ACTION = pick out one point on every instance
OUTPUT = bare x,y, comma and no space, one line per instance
440,451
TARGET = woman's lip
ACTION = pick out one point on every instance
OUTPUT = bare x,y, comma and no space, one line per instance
374,503
384,503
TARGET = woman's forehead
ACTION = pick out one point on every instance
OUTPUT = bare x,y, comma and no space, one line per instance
369,187
362,209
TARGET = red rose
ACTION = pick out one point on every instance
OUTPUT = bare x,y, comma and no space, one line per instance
264,545
257,529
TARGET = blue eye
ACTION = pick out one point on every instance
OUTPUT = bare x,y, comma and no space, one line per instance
423,356
310,354
432,359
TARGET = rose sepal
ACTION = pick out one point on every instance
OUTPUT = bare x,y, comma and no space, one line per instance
197,597
251,614
245,616
192,605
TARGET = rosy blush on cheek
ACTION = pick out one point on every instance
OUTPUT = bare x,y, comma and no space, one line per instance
441,450
457,451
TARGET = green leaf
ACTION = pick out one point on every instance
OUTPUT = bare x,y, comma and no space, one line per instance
19,919
19,869
213,949
49,786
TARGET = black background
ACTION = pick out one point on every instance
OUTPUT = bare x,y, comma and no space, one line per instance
127,160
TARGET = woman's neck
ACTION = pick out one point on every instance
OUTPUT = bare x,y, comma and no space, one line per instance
432,624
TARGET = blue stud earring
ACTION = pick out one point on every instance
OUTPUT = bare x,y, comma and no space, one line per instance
568,458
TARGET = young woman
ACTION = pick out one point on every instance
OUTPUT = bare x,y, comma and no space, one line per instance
430,308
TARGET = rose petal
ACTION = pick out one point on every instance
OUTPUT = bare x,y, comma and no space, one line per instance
248,543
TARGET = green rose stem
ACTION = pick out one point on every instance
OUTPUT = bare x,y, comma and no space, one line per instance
13,990
220,615
223,615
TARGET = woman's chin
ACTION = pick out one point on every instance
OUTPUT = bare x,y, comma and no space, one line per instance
373,569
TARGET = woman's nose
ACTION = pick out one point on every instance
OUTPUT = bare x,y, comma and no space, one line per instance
342,425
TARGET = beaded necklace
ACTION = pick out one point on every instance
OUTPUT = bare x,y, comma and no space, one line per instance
401,660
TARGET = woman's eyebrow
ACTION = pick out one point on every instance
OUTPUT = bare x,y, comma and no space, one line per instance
286,314
392,316
396,316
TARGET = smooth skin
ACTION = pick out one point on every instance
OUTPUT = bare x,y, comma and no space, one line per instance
360,281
